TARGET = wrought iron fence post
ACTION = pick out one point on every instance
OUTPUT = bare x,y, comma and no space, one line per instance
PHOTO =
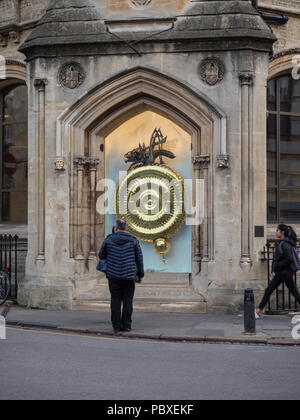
10,248
16,266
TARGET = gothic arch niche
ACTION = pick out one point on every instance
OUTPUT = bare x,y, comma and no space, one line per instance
86,125
136,125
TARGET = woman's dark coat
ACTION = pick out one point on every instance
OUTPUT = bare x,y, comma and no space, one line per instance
283,258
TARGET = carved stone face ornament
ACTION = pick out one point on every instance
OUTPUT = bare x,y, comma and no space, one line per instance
59,163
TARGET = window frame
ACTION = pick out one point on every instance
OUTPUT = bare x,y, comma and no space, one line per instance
3,93
278,114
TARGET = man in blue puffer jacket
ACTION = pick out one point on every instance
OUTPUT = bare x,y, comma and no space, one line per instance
125,267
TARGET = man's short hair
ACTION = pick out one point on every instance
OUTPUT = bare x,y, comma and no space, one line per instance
121,224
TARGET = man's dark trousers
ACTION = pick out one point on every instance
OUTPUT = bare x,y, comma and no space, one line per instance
121,291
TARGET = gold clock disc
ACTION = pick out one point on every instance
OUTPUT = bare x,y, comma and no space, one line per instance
151,200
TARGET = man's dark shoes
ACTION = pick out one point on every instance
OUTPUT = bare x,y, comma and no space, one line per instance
117,330
126,329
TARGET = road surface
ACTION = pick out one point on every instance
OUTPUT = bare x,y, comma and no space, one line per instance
47,365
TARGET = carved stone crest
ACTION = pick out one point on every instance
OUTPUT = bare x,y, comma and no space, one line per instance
212,71
140,3
71,75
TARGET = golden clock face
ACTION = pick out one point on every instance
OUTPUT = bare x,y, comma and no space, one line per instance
151,200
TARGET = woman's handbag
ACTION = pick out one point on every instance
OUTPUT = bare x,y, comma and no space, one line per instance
102,266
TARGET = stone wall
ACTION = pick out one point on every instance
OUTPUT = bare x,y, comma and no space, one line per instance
236,194
17,19
25,11
20,12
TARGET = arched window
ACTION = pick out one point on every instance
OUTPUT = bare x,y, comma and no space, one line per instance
13,154
283,147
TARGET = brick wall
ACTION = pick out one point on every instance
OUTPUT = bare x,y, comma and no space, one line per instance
288,35
284,3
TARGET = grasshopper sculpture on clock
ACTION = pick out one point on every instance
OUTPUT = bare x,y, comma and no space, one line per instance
151,197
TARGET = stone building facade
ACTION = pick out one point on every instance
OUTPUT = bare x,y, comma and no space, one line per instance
100,75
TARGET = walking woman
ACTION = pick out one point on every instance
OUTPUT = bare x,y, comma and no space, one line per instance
282,266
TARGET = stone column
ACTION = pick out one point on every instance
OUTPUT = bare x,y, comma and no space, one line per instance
40,85
246,81
93,163
79,163
201,166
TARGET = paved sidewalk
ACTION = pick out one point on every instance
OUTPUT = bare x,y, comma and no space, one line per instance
276,330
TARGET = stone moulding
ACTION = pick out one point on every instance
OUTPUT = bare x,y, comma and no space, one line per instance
246,86
201,161
246,78
140,3
283,62
12,68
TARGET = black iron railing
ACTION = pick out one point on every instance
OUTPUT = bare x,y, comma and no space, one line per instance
282,301
13,252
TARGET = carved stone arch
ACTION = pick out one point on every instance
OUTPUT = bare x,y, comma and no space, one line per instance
79,131
125,87
284,62
14,72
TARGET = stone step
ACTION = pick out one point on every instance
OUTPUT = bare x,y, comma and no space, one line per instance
172,298
146,306
151,292
167,278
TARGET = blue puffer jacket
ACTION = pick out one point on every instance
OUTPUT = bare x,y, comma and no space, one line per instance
124,257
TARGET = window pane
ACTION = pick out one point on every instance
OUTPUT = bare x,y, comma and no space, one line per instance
14,207
272,95
14,165
272,206
15,105
290,205
289,94
15,157
272,150
290,151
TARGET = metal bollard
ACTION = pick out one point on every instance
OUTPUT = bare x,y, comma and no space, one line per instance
249,313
